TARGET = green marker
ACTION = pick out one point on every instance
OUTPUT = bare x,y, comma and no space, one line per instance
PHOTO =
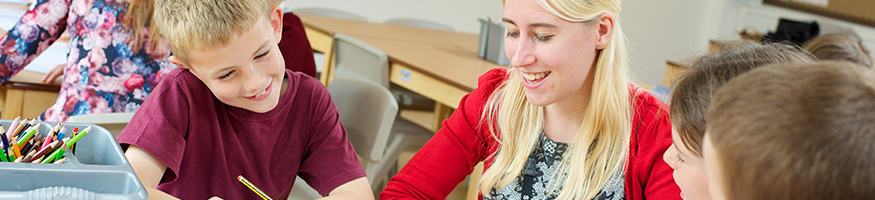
78,136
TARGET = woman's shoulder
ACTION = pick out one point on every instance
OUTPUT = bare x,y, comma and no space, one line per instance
489,81
645,105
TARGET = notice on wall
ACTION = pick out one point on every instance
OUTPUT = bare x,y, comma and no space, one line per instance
821,3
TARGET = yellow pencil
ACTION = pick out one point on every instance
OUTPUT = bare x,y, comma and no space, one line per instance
253,188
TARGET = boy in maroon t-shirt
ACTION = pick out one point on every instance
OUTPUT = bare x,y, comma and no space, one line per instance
232,109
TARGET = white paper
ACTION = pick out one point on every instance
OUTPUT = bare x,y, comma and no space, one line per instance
51,57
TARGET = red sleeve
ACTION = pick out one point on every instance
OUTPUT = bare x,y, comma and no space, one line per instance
648,176
330,159
452,153
296,50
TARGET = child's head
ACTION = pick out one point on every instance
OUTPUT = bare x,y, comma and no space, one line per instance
692,95
230,45
839,46
793,131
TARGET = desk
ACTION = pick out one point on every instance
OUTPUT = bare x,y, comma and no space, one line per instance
24,95
440,65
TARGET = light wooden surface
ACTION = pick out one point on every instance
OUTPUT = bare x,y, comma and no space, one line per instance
672,70
25,95
440,65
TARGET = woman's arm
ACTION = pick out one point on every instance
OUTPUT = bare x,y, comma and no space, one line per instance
452,153
40,26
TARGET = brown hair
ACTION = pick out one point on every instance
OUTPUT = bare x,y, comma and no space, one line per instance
838,46
796,131
695,87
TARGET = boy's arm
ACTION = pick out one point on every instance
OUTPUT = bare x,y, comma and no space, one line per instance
149,170
355,189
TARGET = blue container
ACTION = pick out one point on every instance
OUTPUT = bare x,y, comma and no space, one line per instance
97,169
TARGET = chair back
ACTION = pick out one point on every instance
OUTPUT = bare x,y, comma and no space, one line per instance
420,23
367,111
356,59
329,12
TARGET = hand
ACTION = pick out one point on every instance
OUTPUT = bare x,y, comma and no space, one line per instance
215,198
54,73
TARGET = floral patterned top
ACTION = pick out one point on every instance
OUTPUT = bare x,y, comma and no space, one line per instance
102,75
537,181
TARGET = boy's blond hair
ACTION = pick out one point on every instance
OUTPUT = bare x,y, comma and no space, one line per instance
695,87
197,25
796,131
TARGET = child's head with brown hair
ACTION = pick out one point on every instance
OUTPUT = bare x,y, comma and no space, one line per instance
793,131
230,45
838,46
692,95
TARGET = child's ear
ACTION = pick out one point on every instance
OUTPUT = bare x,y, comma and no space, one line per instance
178,62
276,21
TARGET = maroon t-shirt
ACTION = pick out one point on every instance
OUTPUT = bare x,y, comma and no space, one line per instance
206,144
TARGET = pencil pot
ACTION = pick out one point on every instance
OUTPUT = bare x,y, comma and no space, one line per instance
95,169
492,43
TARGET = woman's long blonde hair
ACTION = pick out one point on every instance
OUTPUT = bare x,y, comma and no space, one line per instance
600,146
138,18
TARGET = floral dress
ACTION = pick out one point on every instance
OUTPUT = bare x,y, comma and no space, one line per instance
102,73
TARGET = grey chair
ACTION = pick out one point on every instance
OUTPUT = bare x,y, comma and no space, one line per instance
367,111
420,23
356,59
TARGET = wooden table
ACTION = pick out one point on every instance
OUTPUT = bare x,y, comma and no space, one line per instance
440,65
26,96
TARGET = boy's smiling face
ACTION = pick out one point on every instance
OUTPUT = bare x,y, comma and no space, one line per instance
247,72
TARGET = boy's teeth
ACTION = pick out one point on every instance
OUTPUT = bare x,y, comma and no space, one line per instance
262,93
532,77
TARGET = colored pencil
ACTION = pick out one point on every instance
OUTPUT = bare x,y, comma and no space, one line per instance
253,188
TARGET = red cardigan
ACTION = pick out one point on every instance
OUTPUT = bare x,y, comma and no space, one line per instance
457,147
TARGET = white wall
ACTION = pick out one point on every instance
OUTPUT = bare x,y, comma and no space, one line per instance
657,30
460,14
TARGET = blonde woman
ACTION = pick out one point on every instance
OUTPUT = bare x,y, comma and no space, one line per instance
563,123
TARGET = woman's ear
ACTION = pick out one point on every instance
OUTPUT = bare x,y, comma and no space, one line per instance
276,21
606,23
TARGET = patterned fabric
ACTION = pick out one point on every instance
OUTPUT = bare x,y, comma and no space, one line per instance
102,75
538,179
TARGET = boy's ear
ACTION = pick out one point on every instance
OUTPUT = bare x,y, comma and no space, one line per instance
178,62
276,21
